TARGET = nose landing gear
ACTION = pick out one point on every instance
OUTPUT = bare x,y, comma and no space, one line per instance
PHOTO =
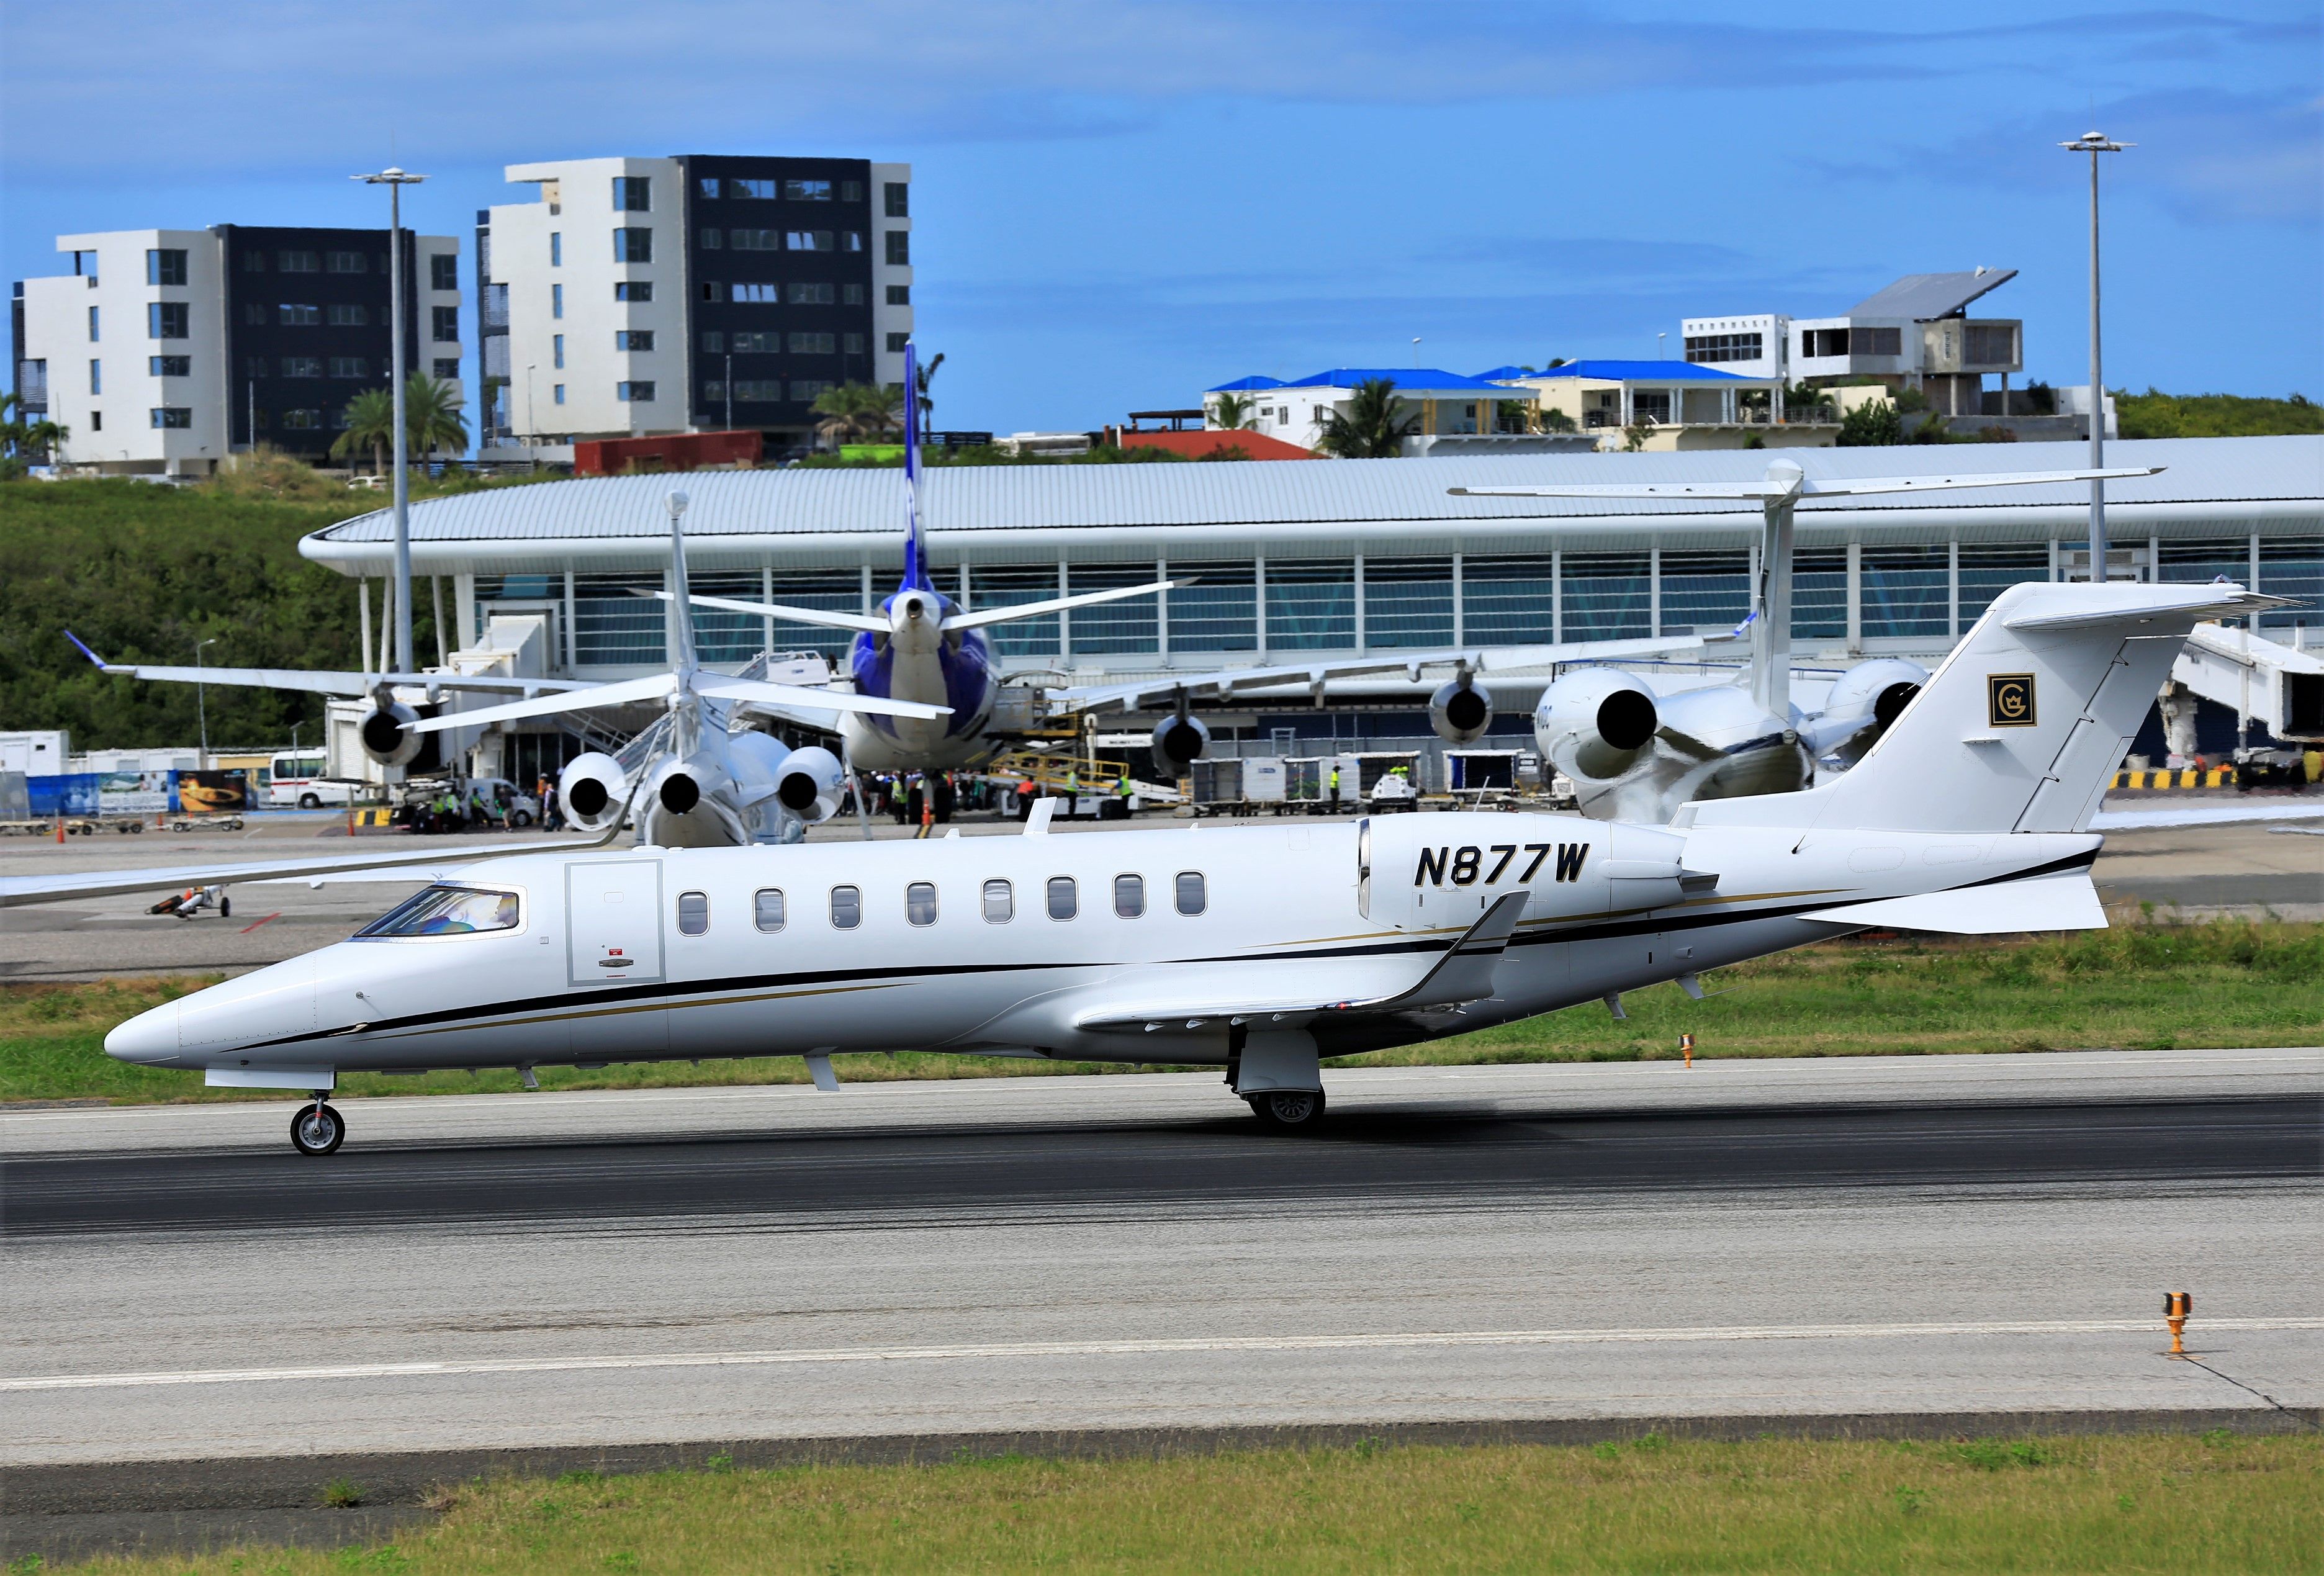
317,1129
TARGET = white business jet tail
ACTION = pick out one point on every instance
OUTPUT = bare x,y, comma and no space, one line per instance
2023,726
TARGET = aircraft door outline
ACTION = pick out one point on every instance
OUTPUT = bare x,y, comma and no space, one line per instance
613,922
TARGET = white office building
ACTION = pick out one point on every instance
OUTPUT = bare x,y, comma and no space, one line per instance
164,351
647,296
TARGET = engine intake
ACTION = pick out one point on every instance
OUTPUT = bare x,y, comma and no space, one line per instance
809,784
592,787
1179,741
1596,723
1460,712
387,736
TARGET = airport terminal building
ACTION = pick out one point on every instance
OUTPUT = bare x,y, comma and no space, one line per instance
1364,556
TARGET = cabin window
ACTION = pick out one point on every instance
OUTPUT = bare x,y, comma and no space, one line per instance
920,903
1000,903
1128,896
1065,899
1194,892
846,907
766,907
693,913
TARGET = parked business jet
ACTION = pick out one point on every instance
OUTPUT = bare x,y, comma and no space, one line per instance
1261,950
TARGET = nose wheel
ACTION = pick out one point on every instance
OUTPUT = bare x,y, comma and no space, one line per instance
317,1129
1292,1110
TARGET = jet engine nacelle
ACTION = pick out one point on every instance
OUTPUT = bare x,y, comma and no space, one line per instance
1459,712
676,788
810,783
1595,723
1879,689
1179,741
593,788
387,736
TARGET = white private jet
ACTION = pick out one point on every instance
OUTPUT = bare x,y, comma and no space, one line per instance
1262,950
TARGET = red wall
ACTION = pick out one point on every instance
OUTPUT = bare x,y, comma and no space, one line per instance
681,451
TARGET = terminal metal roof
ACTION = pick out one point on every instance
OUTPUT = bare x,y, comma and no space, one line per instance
1922,298
2207,480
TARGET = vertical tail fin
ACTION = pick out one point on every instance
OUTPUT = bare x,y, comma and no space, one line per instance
914,564
681,626
2023,725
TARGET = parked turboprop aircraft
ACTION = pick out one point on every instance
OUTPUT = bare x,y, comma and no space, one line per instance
1262,950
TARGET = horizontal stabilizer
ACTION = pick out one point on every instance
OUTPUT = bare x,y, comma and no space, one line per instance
2059,902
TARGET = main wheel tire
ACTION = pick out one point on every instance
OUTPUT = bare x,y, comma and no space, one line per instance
1289,1110
317,1129
225,908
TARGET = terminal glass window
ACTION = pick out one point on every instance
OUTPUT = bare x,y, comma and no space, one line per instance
920,903
1820,595
846,907
1130,625
1906,592
1713,590
1219,612
721,636
767,908
823,591
1065,898
1506,602
1000,902
1006,586
1311,604
2292,567
1987,572
1408,601
693,913
611,627
1608,595
1128,896
2202,561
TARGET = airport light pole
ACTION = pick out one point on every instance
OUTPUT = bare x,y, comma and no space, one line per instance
2094,143
202,703
395,180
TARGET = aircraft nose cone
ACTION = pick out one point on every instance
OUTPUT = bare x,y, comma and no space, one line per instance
150,1036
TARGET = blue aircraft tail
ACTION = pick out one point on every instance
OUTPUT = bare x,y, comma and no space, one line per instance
915,565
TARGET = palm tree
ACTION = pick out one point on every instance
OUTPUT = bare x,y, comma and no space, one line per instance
1231,412
370,418
853,411
928,400
432,416
20,440
1374,426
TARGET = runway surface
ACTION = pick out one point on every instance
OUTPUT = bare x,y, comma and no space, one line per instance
1876,1236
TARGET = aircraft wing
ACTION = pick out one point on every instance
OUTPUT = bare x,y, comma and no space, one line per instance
795,615
1462,972
622,692
1228,682
772,695
319,682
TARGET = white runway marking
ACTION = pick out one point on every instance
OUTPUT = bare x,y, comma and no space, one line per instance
1009,1350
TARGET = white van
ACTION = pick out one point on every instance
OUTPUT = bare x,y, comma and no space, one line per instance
298,780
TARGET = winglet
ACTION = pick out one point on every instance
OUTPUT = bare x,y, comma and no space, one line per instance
1464,972
84,651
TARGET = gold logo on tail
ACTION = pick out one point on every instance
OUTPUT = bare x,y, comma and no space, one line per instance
2009,700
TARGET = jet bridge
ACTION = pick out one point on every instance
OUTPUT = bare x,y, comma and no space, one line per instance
2280,687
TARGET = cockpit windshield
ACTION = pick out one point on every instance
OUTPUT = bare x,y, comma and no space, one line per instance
447,911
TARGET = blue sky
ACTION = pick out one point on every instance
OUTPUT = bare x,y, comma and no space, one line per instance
1117,205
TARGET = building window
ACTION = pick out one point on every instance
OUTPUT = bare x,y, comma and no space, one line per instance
851,295
167,319
93,334
558,394
850,191
852,344
757,240
712,291
302,366
448,369
346,262
806,391
169,366
897,342
302,421
809,240
1128,896
253,366
763,294
350,366
346,316
254,313
1000,902
633,339
445,322
758,341
633,289
555,249
1192,892
708,186
899,248
296,263
557,301
900,199
920,903
253,263
166,266
851,240
557,352
1709,349
759,391
899,295
712,238
1880,342
296,315
632,194
806,294
173,416
746,187
96,378
444,271
1822,342
846,907
633,244
1065,898
807,190
640,393
96,421
1992,343
814,344
714,343
1650,405
767,902
693,907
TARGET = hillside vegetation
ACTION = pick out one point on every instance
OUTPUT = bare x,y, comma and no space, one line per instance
2155,414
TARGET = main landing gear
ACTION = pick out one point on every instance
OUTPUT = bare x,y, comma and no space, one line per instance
1297,1111
317,1129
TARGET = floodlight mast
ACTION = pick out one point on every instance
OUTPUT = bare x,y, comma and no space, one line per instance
395,180
2094,143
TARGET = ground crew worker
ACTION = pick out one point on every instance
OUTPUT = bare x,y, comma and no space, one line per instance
1335,784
